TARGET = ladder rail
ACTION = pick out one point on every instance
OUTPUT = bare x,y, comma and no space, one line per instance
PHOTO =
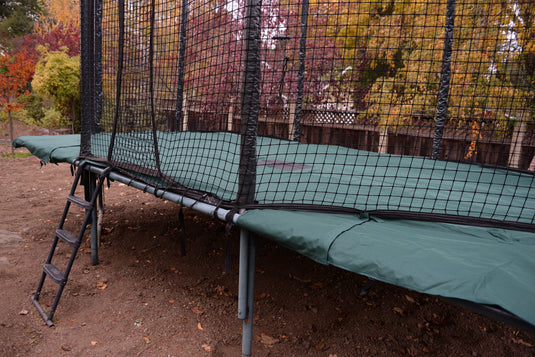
56,275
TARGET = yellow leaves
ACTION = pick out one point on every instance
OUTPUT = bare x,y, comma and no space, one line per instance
59,12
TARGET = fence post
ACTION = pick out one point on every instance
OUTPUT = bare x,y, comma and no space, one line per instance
445,77
184,114
515,151
291,121
230,117
382,147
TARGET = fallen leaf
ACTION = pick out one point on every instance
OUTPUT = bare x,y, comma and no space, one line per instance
268,340
101,285
23,312
318,285
520,341
320,346
410,299
147,340
66,347
399,311
199,326
260,296
197,310
207,348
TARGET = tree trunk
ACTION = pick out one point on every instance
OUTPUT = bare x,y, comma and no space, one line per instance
11,131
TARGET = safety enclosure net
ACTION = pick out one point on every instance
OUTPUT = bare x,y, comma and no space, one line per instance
416,108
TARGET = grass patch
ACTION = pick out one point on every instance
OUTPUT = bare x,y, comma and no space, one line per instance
17,155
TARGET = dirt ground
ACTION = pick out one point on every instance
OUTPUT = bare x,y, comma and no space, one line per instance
145,299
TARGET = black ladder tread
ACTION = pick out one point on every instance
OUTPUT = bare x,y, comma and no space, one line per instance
67,237
80,202
54,273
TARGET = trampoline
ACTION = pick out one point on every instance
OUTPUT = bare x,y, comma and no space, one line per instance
395,141
491,266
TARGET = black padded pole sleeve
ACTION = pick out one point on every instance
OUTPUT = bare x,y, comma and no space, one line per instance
445,78
301,71
250,104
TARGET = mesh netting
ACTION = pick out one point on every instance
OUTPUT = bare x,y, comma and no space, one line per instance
420,109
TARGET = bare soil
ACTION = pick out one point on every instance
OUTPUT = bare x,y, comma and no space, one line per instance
145,299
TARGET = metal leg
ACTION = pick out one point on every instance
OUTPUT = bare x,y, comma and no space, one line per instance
92,178
246,289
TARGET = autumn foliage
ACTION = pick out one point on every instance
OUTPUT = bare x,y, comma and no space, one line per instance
15,73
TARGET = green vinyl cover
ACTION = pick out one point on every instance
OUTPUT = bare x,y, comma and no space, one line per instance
51,148
482,265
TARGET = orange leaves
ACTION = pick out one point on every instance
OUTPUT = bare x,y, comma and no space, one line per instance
15,73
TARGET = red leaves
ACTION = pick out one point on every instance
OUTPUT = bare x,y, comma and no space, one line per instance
15,72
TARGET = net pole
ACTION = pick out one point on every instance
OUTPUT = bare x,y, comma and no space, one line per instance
97,58
86,65
151,85
250,104
247,169
119,77
445,78
246,289
181,62
301,70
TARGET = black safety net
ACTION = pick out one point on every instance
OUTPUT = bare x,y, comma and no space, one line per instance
419,109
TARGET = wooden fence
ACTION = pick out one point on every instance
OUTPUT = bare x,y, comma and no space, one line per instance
350,129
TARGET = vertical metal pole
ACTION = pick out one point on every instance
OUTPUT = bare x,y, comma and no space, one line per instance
119,76
250,104
247,168
445,78
152,45
86,75
242,280
94,219
97,60
181,60
301,71
246,289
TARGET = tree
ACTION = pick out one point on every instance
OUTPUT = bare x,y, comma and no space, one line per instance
17,18
57,76
15,74
59,26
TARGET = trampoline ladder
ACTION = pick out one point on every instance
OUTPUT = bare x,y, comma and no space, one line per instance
52,271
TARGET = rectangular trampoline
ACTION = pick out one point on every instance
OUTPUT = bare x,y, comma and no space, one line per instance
392,139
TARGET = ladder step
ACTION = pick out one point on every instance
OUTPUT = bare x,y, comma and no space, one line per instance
67,237
54,273
80,202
